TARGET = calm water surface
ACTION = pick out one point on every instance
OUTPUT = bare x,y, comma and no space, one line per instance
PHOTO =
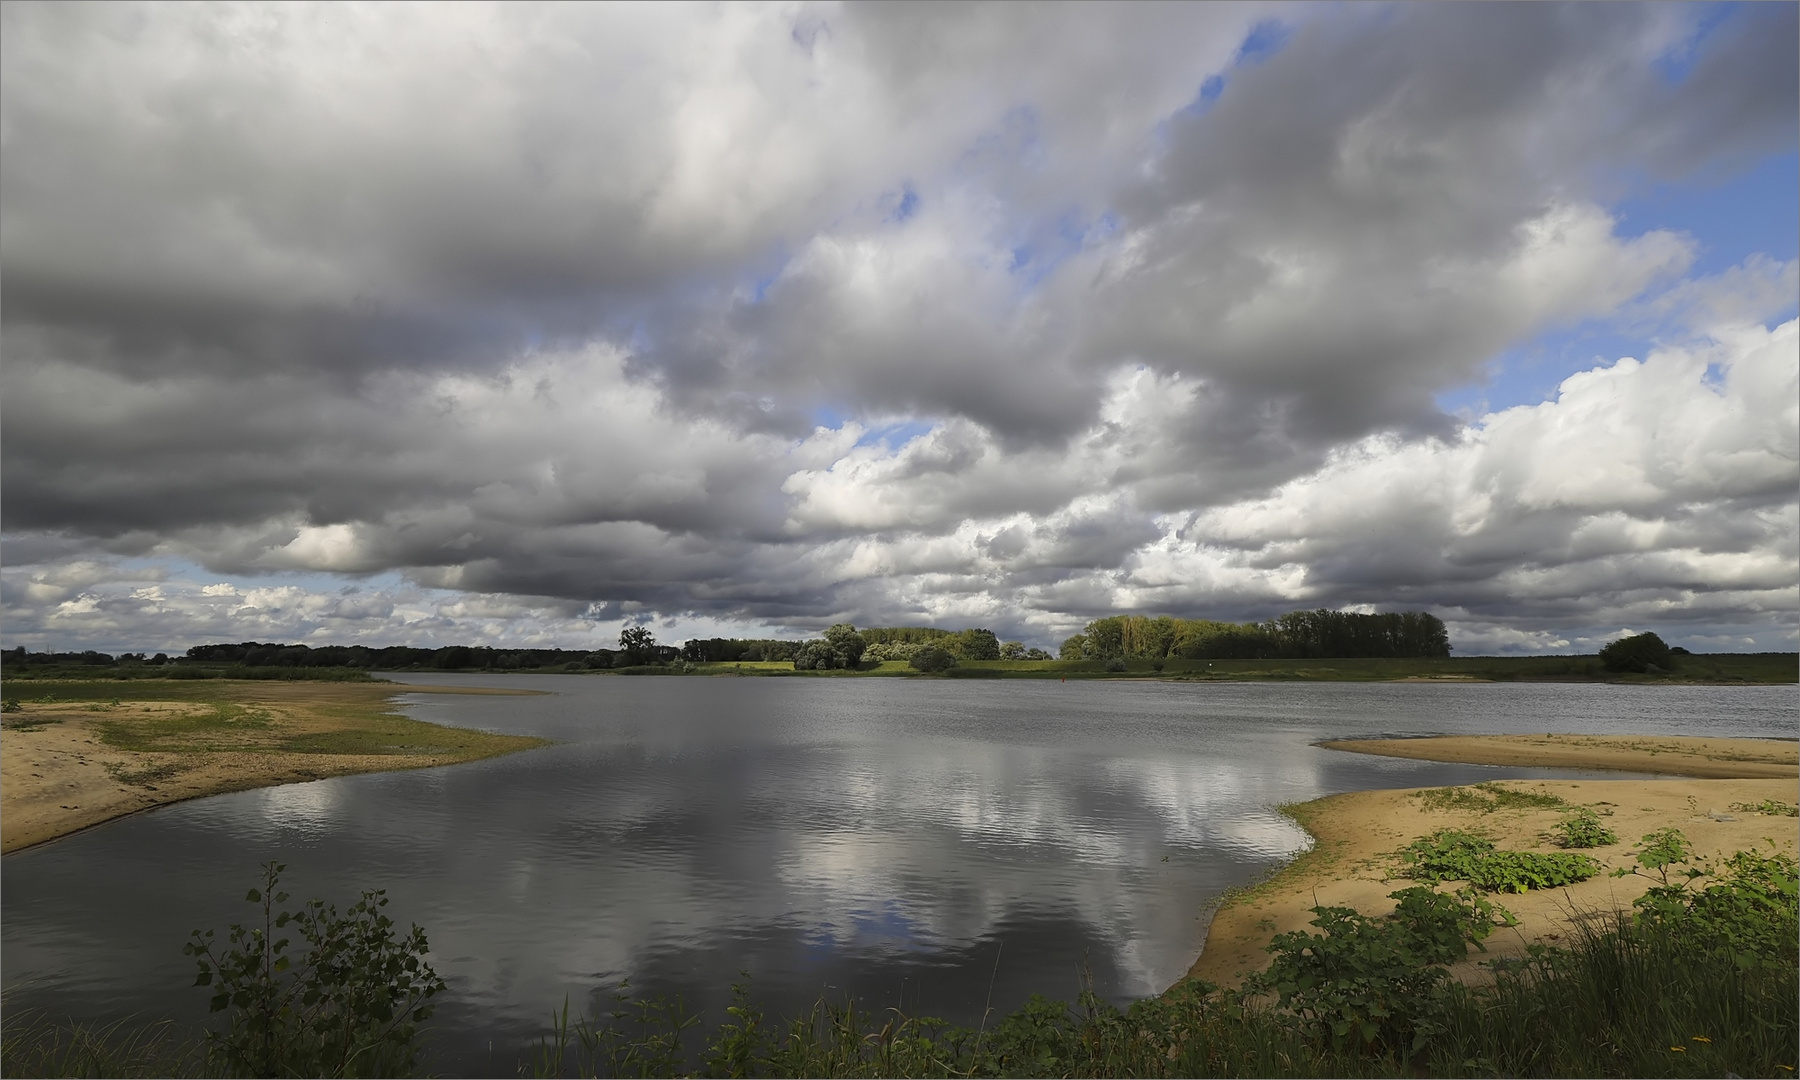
936,845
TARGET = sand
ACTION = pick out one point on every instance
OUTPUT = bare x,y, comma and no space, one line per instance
1352,862
1677,755
59,774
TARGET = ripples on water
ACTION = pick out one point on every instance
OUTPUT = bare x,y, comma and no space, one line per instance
932,844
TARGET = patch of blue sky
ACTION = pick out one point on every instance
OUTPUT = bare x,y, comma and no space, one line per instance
896,435
905,206
831,417
184,571
1756,212
1531,373
1264,40
1677,62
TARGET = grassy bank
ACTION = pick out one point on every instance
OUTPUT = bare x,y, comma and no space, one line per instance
1727,668
81,752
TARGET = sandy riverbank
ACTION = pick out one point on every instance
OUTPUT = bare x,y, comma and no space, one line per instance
1356,834
70,765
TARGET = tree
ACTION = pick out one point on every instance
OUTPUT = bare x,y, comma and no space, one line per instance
638,645
931,659
1012,650
816,655
975,645
846,644
1638,653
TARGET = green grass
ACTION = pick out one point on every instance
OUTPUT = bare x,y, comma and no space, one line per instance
1486,799
32,1045
107,690
368,727
223,726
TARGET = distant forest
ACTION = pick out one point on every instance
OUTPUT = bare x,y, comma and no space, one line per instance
1298,635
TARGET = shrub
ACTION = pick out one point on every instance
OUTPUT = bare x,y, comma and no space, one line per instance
1455,855
1581,828
351,1006
1638,653
1749,910
1376,982
931,659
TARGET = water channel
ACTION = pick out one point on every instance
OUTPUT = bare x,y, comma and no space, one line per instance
939,845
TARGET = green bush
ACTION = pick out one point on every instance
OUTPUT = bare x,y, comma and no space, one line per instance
1638,653
1581,828
350,1007
1456,855
1376,982
1748,910
931,659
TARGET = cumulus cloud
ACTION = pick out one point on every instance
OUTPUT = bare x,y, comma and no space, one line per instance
762,317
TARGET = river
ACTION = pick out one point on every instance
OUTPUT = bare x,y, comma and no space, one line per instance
943,846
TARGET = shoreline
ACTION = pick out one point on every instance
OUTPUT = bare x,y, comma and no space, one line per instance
1355,833
70,766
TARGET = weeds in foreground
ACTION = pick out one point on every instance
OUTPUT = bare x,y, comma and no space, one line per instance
1699,980
33,1045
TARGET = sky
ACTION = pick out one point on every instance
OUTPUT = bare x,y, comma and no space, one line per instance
518,324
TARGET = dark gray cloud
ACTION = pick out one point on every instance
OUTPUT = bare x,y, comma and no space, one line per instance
980,313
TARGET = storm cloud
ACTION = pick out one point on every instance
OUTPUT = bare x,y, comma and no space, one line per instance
514,322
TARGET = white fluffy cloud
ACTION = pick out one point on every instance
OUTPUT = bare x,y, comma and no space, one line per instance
525,320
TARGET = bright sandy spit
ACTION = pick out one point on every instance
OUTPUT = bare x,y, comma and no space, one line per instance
69,765
1352,863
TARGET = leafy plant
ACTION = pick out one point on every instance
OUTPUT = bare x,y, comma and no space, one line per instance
1486,798
1376,982
1581,828
1772,807
351,1006
1748,910
1457,855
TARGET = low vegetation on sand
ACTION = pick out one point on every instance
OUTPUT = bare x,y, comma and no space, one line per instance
1698,980
80,752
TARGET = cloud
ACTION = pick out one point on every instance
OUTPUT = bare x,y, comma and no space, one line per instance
766,317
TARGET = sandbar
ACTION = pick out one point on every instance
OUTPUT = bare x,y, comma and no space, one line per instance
1677,755
66,766
1356,834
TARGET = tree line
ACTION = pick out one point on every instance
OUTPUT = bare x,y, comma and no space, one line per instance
1298,635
